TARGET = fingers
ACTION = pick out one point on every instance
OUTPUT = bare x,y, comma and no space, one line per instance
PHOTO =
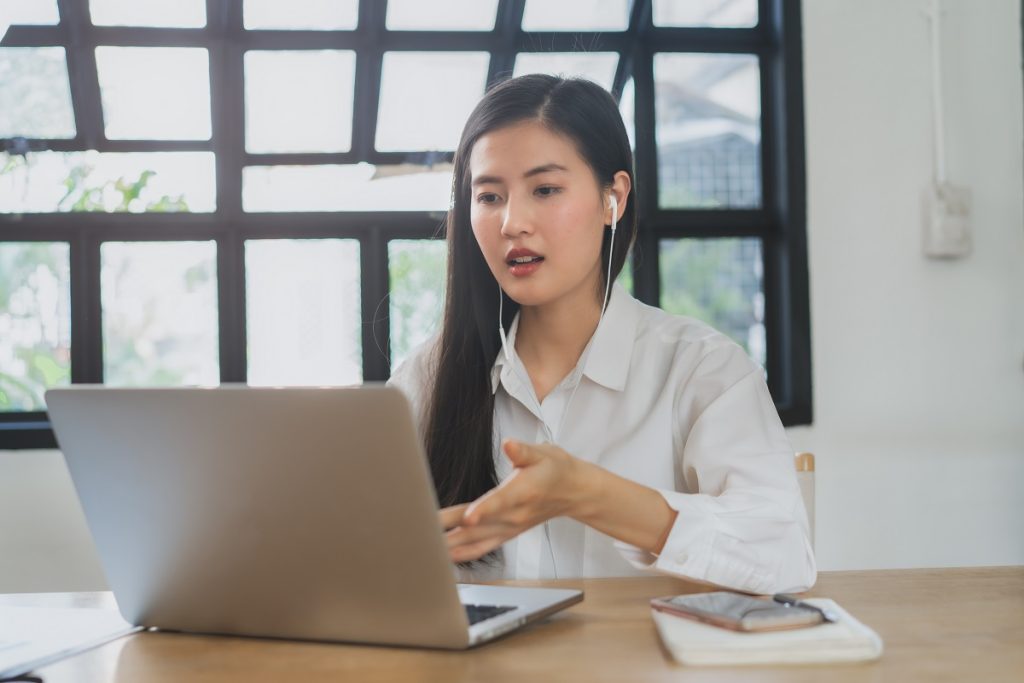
491,505
510,492
452,516
475,551
471,543
521,454
465,535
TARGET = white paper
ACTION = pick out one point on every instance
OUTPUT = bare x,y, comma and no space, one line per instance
33,636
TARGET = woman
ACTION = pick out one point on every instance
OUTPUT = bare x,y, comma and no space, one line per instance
587,434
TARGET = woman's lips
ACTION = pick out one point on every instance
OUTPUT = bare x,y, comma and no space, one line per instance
524,269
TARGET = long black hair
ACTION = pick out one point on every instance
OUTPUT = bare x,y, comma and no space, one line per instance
460,416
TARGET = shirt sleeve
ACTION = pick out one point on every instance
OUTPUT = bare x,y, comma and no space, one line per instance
413,377
746,527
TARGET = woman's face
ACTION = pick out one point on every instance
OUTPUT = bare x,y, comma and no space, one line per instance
537,213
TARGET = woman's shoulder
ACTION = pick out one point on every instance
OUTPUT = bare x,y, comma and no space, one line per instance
684,333
417,369
414,377
699,362
692,345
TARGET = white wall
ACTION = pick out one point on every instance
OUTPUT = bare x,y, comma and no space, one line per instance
44,542
918,376
918,364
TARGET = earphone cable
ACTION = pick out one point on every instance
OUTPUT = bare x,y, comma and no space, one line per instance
582,364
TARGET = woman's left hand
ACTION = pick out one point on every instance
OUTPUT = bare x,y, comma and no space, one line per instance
545,483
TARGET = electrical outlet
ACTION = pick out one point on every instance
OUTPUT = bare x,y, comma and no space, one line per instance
947,228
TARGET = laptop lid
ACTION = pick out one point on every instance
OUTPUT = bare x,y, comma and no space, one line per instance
281,512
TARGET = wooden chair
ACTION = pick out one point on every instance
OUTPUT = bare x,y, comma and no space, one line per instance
805,477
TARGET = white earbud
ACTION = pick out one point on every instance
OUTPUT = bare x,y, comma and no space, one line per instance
615,211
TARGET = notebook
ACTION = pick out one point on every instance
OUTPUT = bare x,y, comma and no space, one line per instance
31,637
694,643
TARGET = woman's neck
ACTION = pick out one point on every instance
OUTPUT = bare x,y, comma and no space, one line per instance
551,338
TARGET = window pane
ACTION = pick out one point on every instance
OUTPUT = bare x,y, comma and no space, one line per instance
159,313
718,281
303,312
317,15
417,272
576,15
442,15
627,109
35,322
52,182
173,13
708,130
595,66
35,98
35,12
159,93
716,13
426,98
625,277
299,100
358,187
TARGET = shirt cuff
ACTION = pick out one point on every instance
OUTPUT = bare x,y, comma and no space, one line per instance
695,550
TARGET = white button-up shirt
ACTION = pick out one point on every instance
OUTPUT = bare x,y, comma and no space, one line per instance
672,404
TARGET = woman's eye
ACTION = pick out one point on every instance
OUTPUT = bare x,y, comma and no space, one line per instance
487,198
547,191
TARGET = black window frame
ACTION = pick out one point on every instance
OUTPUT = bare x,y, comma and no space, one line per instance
780,222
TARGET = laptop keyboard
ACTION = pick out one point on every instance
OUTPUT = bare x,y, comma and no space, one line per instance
478,613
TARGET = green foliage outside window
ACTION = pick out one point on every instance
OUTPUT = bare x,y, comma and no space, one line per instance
417,272
714,281
29,363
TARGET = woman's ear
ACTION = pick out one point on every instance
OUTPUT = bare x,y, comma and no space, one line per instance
619,191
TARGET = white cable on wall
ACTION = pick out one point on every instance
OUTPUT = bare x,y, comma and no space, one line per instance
945,207
934,13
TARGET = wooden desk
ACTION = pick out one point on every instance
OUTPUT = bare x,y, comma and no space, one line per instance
938,625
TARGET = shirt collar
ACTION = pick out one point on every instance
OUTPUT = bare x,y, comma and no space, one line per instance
611,346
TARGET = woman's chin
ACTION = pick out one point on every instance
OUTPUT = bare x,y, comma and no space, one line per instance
536,291
528,293
530,300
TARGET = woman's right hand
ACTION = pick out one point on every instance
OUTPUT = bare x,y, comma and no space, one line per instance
451,517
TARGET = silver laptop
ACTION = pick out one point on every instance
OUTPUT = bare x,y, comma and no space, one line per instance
281,512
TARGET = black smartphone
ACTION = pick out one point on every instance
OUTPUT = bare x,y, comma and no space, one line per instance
739,612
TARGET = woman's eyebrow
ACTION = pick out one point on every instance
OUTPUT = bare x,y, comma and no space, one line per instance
546,168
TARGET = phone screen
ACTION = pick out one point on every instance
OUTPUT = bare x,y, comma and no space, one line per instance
737,611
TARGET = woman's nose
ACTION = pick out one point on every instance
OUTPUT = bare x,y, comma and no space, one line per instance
517,220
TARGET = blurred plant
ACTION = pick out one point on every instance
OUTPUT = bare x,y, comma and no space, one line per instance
34,357
118,195
34,349
713,280
417,273
146,340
